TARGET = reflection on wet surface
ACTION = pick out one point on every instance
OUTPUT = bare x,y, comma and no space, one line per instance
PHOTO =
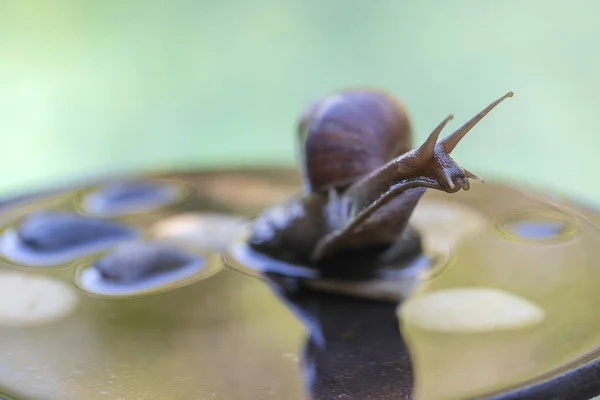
354,348
209,332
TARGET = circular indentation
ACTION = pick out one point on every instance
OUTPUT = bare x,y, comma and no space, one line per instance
49,238
537,226
27,300
471,310
205,230
135,196
443,224
143,268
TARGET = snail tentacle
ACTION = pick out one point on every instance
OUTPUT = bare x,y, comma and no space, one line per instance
450,142
427,149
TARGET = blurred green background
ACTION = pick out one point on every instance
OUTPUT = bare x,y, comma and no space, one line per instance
96,87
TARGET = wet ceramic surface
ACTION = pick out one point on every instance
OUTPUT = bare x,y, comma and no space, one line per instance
214,330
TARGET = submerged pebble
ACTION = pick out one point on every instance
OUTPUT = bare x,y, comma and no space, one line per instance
210,230
135,261
51,231
27,299
141,268
529,226
539,229
471,310
131,196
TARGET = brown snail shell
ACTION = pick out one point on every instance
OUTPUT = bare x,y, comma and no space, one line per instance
349,134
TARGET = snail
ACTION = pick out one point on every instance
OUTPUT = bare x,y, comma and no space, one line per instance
362,180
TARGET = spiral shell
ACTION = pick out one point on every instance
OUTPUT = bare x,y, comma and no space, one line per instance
348,134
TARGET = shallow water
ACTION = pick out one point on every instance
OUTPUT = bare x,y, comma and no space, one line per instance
232,335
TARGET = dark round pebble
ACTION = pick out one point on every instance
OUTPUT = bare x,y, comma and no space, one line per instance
125,195
135,261
62,230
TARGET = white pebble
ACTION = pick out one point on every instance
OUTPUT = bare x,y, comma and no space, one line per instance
470,310
27,299
210,230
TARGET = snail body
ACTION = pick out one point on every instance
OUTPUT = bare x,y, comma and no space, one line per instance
362,181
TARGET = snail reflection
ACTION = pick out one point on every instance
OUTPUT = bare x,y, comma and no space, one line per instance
354,348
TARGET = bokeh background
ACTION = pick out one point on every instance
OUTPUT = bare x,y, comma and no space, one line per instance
97,87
